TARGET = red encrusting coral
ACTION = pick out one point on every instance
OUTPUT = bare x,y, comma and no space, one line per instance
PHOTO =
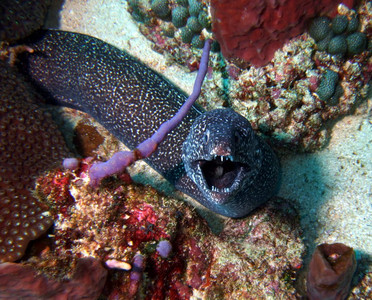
30,144
57,189
143,225
253,30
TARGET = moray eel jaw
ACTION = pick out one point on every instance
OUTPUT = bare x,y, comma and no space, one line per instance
220,177
221,155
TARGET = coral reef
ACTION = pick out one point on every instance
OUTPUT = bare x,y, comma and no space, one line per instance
19,19
19,281
30,144
280,99
330,272
171,250
253,30
119,222
153,245
250,264
187,24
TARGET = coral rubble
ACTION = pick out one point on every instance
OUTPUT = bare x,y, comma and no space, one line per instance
286,100
289,102
19,19
157,247
176,27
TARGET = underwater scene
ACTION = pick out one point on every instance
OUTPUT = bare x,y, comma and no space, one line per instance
185,149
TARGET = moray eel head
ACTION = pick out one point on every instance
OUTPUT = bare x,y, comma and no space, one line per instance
224,158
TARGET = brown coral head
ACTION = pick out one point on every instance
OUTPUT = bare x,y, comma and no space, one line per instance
330,272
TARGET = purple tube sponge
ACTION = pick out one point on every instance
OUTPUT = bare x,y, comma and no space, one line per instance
121,160
164,248
330,272
137,267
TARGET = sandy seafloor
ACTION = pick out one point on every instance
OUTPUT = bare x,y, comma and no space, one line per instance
332,187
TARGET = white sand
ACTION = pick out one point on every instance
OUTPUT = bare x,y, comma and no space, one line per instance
332,187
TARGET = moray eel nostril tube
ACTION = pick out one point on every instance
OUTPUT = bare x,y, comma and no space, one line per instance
220,162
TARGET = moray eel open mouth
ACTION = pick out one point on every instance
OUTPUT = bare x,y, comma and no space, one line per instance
221,173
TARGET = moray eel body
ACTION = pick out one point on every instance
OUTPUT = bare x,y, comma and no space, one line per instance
224,165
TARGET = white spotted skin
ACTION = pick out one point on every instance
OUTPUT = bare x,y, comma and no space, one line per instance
126,97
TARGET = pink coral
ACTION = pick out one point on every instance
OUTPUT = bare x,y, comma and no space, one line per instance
253,30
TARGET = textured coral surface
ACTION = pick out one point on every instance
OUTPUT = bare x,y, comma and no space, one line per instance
257,257
30,144
20,18
181,34
254,30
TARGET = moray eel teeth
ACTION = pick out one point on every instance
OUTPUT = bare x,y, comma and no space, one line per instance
222,174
